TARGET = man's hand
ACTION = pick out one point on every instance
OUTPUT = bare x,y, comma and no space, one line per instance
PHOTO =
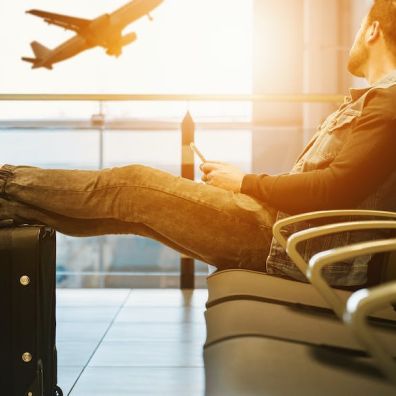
222,175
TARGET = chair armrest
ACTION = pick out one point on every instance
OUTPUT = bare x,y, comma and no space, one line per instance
359,306
279,225
302,236
320,260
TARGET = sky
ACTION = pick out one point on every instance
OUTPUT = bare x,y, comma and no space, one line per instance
192,46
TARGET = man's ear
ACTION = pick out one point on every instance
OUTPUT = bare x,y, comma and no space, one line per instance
373,32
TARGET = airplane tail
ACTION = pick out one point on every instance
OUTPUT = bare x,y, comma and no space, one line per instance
36,63
41,54
31,60
39,50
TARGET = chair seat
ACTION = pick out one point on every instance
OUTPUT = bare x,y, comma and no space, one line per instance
252,366
245,317
238,284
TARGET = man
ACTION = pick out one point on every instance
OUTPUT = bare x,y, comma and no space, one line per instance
349,163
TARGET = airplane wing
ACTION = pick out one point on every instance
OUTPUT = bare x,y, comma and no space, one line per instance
64,21
133,10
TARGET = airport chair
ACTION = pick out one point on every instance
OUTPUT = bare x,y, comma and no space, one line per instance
244,284
245,304
235,296
256,366
313,271
250,303
279,350
356,310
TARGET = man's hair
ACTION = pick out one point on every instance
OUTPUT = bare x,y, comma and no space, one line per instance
384,11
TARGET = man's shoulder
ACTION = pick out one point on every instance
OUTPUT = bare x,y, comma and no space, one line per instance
382,100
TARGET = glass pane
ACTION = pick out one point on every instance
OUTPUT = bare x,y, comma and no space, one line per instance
161,149
191,46
186,50
50,149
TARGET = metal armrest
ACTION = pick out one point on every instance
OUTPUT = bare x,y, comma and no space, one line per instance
302,236
359,306
279,225
320,260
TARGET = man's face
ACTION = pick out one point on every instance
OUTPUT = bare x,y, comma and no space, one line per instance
359,53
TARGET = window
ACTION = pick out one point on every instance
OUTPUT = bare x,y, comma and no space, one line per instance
191,47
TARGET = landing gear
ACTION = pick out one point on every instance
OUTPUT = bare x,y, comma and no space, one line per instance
114,51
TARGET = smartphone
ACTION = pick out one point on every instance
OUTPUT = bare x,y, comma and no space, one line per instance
196,151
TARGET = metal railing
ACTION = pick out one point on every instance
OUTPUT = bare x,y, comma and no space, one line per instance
272,98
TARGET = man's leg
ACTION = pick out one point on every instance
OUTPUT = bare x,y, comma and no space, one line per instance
214,225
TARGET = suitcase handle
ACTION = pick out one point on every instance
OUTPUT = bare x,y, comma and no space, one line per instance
11,223
7,223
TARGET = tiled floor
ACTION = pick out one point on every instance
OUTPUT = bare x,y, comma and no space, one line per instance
130,342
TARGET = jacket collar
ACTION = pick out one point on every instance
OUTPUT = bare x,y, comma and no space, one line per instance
386,82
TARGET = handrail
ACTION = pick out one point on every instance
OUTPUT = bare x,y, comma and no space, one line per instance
359,306
304,217
363,302
329,229
131,124
274,98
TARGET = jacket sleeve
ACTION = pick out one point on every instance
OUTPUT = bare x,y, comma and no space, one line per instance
364,163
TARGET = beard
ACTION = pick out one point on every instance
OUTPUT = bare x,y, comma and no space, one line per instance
358,58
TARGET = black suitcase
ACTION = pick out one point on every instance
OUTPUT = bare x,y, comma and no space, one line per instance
27,311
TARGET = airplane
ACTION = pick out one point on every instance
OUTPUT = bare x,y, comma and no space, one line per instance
104,31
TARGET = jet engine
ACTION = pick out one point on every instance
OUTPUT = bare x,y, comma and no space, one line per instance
128,38
116,48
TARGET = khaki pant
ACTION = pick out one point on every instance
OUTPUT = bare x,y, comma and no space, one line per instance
219,227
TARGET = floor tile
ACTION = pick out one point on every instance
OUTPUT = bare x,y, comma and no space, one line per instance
168,298
154,344
91,297
183,332
80,331
160,315
67,376
75,353
148,354
86,314
127,381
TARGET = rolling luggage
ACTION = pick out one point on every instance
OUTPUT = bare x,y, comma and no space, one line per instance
28,361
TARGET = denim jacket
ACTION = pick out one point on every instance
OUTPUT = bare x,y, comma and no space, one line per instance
319,153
